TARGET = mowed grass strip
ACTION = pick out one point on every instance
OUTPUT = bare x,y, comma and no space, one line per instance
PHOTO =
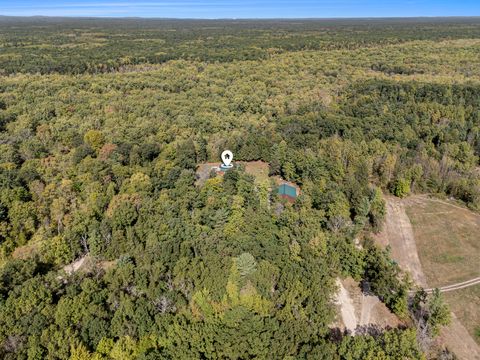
447,238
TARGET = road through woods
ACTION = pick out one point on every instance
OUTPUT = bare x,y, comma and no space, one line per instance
398,233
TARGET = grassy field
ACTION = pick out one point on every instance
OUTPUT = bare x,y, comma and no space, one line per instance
447,239
259,169
448,244
465,303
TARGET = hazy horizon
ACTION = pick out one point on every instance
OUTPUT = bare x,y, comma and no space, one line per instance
248,9
243,19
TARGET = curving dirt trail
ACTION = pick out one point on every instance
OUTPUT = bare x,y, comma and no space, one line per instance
457,286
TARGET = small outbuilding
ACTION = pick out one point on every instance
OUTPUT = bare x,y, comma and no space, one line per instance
288,191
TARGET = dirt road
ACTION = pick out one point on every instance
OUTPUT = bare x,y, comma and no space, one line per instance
347,310
457,286
398,233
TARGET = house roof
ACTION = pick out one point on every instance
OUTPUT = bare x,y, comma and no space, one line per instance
288,190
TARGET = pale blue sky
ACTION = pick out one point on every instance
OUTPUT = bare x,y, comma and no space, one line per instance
242,9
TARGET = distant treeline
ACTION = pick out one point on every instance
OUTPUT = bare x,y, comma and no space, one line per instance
76,46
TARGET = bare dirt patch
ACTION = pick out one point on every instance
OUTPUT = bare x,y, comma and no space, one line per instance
87,264
359,312
76,265
204,170
347,309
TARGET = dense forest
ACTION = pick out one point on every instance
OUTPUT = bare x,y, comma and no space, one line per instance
74,46
102,126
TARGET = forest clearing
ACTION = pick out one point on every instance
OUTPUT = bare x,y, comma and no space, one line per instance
429,243
362,313
447,238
